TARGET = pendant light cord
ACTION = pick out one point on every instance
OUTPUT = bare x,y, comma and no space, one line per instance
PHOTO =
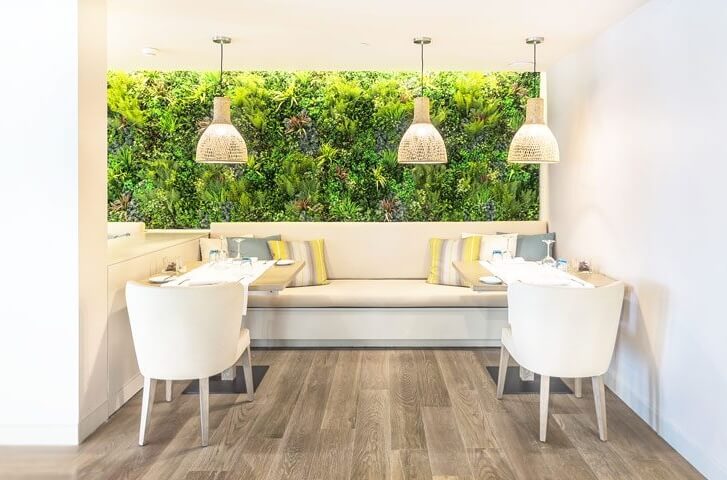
422,77
222,56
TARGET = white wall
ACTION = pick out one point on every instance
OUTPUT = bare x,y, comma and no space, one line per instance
641,119
92,214
50,184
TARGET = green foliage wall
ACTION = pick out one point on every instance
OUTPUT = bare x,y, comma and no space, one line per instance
323,148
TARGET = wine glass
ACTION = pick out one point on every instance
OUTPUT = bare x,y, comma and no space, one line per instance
549,261
238,241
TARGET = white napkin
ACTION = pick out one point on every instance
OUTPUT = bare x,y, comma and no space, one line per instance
534,273
228,272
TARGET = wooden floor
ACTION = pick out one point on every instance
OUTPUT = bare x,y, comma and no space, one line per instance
364,414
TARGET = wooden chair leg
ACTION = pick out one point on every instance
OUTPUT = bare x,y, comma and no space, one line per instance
247,368
599,396
168,392
502,372
147,402
204,408
544,397
578,387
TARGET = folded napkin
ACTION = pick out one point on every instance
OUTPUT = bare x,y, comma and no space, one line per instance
533,273
228,272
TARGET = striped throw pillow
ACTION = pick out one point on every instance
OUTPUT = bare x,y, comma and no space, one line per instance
311,252
446,251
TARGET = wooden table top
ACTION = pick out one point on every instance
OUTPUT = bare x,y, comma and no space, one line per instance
277,277
274,279
471,271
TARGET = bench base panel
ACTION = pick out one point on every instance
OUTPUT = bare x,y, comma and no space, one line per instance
376,327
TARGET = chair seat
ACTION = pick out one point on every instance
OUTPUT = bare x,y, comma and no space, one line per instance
403,293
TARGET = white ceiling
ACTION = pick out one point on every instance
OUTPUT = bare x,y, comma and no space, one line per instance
351,34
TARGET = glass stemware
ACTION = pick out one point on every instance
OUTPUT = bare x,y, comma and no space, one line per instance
238,241
549,261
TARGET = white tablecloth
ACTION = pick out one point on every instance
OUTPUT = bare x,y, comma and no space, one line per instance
223,272
533,273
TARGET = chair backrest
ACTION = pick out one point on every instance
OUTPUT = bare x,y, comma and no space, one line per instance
185,332
564,332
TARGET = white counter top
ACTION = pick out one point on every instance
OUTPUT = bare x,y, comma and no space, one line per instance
126,248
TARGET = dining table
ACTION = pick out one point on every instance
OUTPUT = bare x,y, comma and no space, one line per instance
472,270
272,281
519,379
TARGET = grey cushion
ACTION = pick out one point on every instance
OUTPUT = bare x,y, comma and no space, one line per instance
532,248
251,247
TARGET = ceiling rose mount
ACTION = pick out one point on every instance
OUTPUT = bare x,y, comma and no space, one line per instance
221,40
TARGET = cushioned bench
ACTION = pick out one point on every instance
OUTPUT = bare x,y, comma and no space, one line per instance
377,293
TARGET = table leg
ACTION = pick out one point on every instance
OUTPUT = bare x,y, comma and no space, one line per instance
228,373
235,386
526,375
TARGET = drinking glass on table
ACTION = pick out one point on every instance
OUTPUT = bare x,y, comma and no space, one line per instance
246,265
497,256
168,265
238,241
549,261
181,267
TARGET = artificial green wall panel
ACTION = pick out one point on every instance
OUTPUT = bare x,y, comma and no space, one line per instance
322,148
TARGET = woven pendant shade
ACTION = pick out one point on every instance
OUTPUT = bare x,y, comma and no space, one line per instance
422,143
221,142
534,142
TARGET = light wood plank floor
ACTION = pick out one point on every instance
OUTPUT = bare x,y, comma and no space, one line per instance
364,414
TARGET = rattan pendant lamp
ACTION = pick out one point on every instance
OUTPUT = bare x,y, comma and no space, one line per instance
534,142
422,143
221,142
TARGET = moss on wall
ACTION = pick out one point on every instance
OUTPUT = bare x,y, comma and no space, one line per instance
322,148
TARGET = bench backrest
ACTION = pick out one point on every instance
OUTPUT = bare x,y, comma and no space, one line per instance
374,249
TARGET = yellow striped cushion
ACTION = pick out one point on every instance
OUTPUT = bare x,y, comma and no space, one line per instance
311,252
445,251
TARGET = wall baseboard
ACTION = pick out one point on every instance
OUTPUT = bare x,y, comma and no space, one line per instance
118,399
707,465
39,435
376,343
92,421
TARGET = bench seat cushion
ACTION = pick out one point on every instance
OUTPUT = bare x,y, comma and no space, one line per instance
379,293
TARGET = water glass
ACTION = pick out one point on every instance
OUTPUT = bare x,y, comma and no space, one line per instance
549,261
168,265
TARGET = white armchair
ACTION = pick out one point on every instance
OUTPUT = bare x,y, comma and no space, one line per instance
562,332
184,333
